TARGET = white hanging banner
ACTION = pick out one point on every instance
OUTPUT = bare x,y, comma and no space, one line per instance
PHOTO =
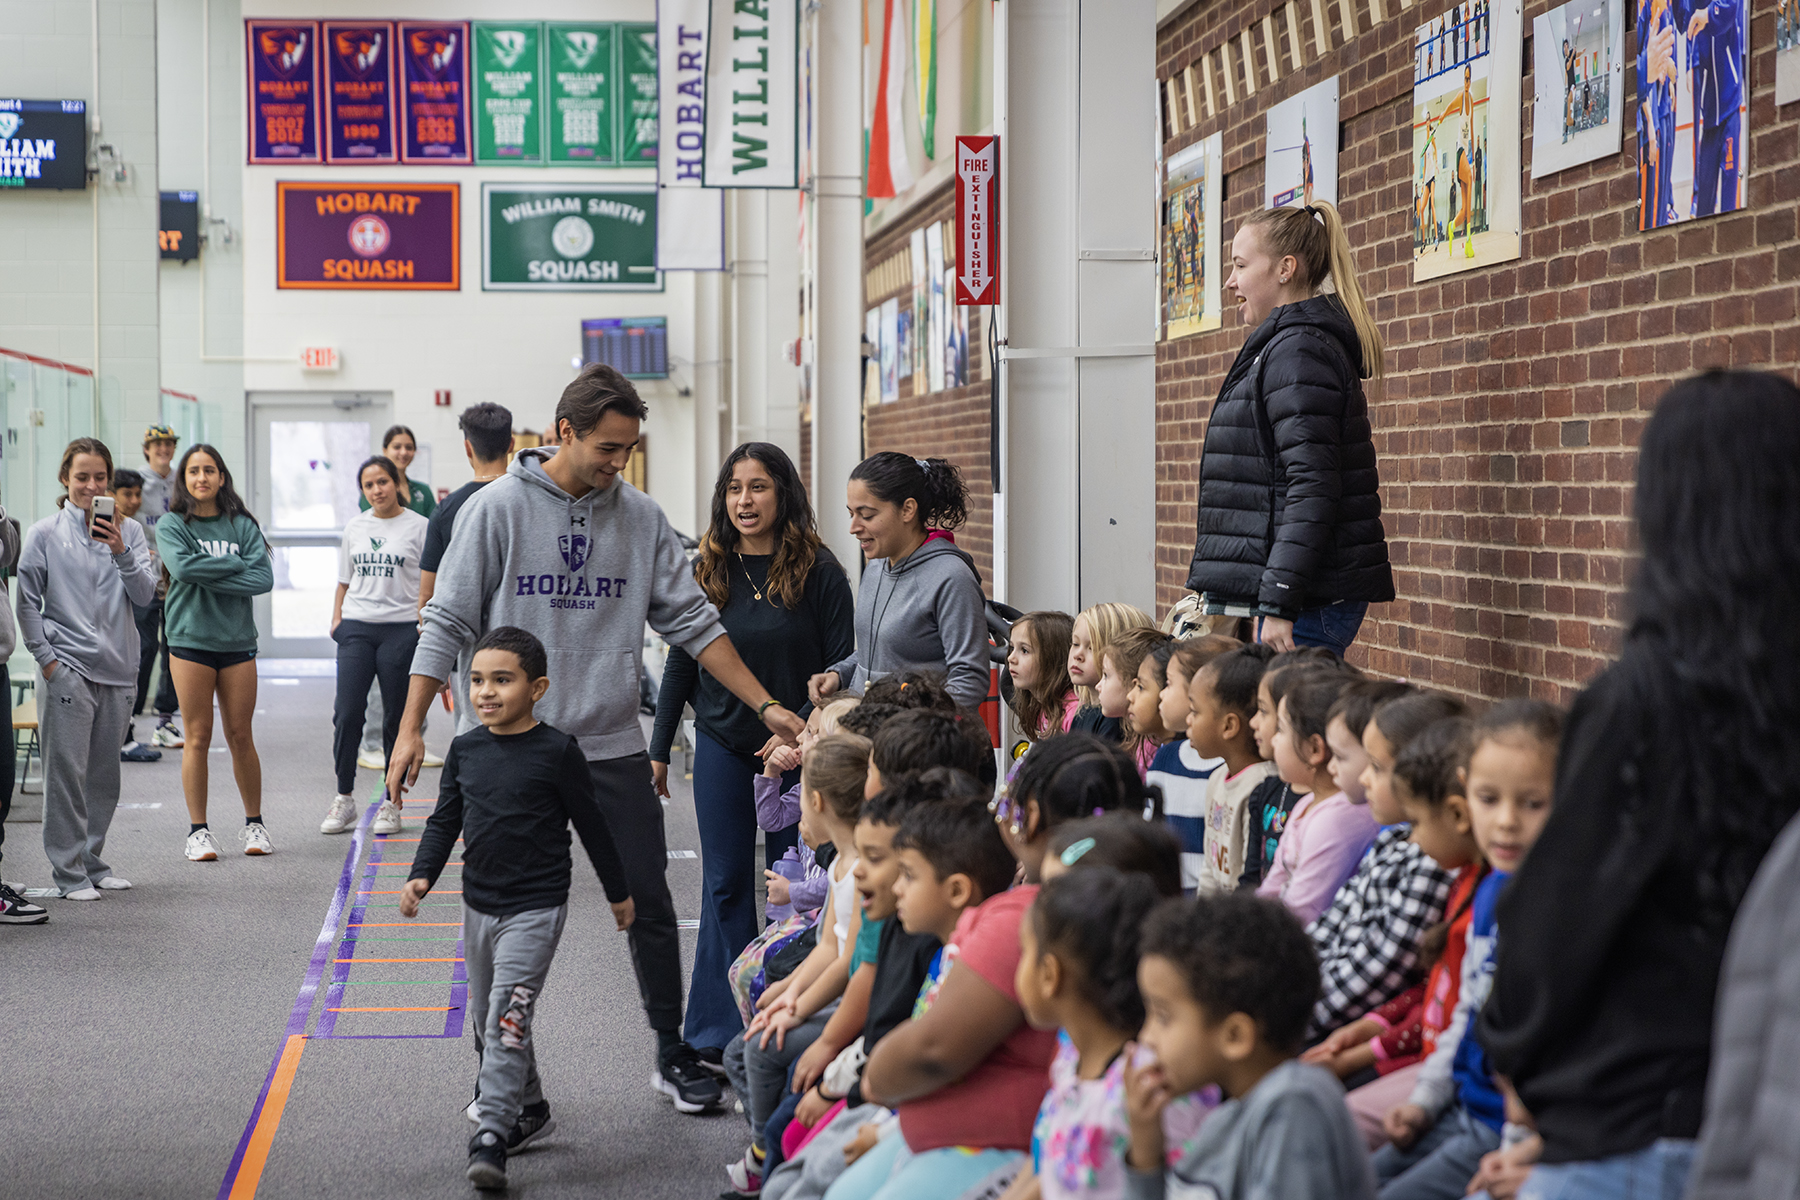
690,218
752,104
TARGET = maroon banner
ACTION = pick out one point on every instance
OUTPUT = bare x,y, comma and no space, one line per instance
284,91
359,91
368,236
435,91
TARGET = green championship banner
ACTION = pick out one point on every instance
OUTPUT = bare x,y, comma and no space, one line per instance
637,87
583,101
509,93
573,237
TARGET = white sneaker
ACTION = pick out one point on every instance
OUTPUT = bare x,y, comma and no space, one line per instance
432,760
373,760
86,893
112,883
256,838
202,846
341,817
387,818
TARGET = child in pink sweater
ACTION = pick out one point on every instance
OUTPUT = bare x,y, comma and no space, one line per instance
1329,832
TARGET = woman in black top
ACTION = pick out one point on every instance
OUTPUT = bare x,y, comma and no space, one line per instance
786,603
1290,523
1675,777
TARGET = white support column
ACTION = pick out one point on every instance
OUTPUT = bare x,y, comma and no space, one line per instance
838,285
748,212
781,392
1079,286
711,380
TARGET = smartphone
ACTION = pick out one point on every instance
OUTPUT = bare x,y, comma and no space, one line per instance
104,506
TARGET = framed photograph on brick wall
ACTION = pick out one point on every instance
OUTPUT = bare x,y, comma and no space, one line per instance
1300,165
1693,110
1465,149
1787,52
1578,61
1192,178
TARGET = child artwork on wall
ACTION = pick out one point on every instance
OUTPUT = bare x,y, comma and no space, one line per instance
1300,165
920,326
890,350
1192,299
1579,64
1465,147
1692,110
1787,51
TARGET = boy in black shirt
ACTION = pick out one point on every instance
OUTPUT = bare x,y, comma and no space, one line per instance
511,789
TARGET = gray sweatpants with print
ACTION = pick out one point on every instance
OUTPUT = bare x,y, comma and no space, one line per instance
507,959
82,726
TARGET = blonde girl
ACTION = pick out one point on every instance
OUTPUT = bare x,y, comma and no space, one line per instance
1094,629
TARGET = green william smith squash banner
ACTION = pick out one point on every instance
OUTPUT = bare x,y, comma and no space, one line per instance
573,237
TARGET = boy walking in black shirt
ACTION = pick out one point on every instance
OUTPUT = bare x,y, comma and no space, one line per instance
511,789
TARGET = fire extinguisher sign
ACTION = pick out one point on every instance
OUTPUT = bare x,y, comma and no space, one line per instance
978,220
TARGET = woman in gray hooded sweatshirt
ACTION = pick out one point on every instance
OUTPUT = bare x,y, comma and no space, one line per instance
78,578
920,605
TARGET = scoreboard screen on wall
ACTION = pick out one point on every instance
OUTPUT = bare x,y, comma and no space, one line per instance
43,143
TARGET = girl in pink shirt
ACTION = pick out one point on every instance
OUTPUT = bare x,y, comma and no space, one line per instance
1328,834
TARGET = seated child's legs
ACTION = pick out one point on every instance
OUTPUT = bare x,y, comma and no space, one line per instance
1369,1103
870,1173
820,1162
507,960
766,1069
1440,1164
953,1172
734,1072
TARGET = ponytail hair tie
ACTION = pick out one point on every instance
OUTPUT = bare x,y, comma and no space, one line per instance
923,465
1073,854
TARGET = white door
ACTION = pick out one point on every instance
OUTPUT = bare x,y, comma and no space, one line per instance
303,490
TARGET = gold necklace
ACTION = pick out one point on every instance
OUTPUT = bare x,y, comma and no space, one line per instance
745,568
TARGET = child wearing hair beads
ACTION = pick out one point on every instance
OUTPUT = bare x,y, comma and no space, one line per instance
1037,663
1179,768
1094,629
1078,974
1455,1114
1118,674
1123,841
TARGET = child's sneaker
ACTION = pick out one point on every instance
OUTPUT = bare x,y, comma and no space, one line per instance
167,735
17,910
387,818
487,1161
255,836
202,846
534,1123
341,816
712,1058
746,1174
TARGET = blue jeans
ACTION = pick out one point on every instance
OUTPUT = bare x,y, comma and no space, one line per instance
1440,1164
1332,626
725,808
1657,1172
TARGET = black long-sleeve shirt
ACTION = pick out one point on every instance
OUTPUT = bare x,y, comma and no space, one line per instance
783,647
512,799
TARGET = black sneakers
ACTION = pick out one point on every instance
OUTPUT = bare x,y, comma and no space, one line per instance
487,1161
684,1078
17,910
712,1058
534,1122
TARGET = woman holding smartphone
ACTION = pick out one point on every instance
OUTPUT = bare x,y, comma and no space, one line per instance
375,623
217,561
80,572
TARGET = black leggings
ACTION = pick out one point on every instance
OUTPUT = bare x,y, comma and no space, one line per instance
368,652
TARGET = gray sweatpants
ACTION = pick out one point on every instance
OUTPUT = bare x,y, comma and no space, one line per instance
82,726
507,959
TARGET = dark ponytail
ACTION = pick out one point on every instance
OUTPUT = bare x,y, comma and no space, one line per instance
934,484
1090,920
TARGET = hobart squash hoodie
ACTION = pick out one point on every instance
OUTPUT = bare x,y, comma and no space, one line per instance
584,575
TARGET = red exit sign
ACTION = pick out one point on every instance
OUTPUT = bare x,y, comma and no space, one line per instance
319,358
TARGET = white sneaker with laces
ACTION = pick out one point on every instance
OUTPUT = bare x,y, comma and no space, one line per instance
166,736
387,818
341,817
112,883
255,837
432,760
86,893
202,846
372,760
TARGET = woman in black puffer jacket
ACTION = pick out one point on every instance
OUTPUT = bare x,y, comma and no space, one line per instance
1290,522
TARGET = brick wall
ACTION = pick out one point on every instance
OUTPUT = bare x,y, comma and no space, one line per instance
1506,427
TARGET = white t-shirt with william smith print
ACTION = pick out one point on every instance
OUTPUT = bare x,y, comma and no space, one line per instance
379,559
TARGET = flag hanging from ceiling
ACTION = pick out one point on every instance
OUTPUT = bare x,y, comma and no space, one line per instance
925,59
889,172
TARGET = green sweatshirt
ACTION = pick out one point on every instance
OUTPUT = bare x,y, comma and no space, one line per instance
216,564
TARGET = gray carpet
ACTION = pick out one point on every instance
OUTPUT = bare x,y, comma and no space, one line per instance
140,1028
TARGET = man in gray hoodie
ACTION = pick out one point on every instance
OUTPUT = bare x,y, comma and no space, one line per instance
564,548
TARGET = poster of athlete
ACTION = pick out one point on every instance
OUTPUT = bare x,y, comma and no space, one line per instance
1787,51
1465,143
1579,67
1300,164
1192,299
1693,109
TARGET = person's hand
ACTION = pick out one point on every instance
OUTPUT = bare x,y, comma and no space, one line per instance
772,993
1404,1123
812,1063
336,620
50,668
780,761
822,685
1696,24
1516,1112
779,888
624,913
444,692
404,762
410,895
1503,1171
783,723
1276,632
862,1143
659,778
1661,54
107,533
813,1108
1146,1095
1338,1041
780,1021
774,741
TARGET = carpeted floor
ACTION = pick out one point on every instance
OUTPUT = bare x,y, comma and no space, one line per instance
140,1029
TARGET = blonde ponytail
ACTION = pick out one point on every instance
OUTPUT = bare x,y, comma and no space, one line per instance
1314,235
